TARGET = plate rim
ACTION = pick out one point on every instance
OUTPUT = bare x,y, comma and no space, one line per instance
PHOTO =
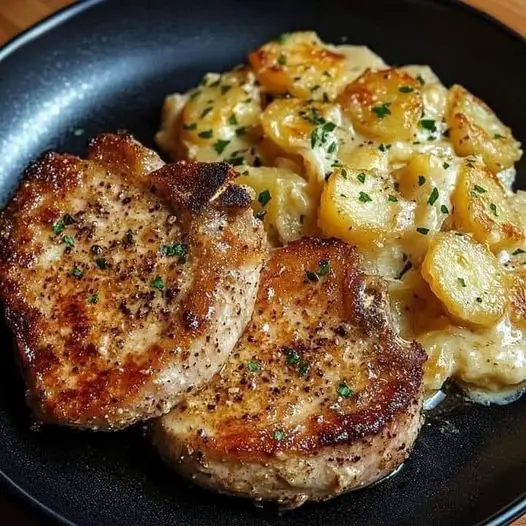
508,513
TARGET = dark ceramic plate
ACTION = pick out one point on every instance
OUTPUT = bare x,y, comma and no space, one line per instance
106,65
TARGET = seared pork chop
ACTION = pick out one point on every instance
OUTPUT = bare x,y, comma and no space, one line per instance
126,282
320,395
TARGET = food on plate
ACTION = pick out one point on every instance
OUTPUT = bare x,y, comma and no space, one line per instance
126,282
392,161
320,395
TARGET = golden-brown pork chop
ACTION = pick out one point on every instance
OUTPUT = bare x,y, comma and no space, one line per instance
126,282
319,396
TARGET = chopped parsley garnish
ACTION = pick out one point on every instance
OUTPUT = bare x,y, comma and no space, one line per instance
320,134
344,390
303,368
62,223
420,79
361,177
293,356
421,180
498,136
215,83
205,112
323,269
392,199
264,197
479,299
69,241
195,94
158,283
236,161
225,89
382,110
241,131
232,120
283,37
93,298
176,249
207,134
314,88
191,126
433,196
254,366
462,282
445,165
326,97
444,209
479,189
327,74
331,148
364,197
493,208
220,146
518,251
278,435
406,89
428,124
260,215
282,59
101,263
384,147
422,230
343,172
77,272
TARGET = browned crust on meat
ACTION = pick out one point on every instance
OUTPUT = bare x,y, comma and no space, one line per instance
360,304
192,185
74,382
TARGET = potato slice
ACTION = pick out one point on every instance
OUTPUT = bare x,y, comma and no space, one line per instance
362,207
429,181
518,299
310,130
483,208
220,120
385,104
466,277
475,130
284,200
302,65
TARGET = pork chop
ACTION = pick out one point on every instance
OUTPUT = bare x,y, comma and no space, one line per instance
320,395
125,282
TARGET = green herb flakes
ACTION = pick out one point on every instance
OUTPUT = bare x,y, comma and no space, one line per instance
254,366
433,196
93,299
422,230
77,273
264,197
382,110
278,435
364,197
220,145
344,390
158,283
69,241
207,134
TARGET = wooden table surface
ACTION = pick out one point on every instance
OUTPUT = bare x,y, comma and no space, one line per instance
16,15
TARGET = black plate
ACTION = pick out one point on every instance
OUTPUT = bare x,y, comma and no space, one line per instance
103,66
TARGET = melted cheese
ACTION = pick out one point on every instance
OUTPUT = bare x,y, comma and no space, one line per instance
286,111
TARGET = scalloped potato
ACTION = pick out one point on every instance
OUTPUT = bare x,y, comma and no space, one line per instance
335,142
475,130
